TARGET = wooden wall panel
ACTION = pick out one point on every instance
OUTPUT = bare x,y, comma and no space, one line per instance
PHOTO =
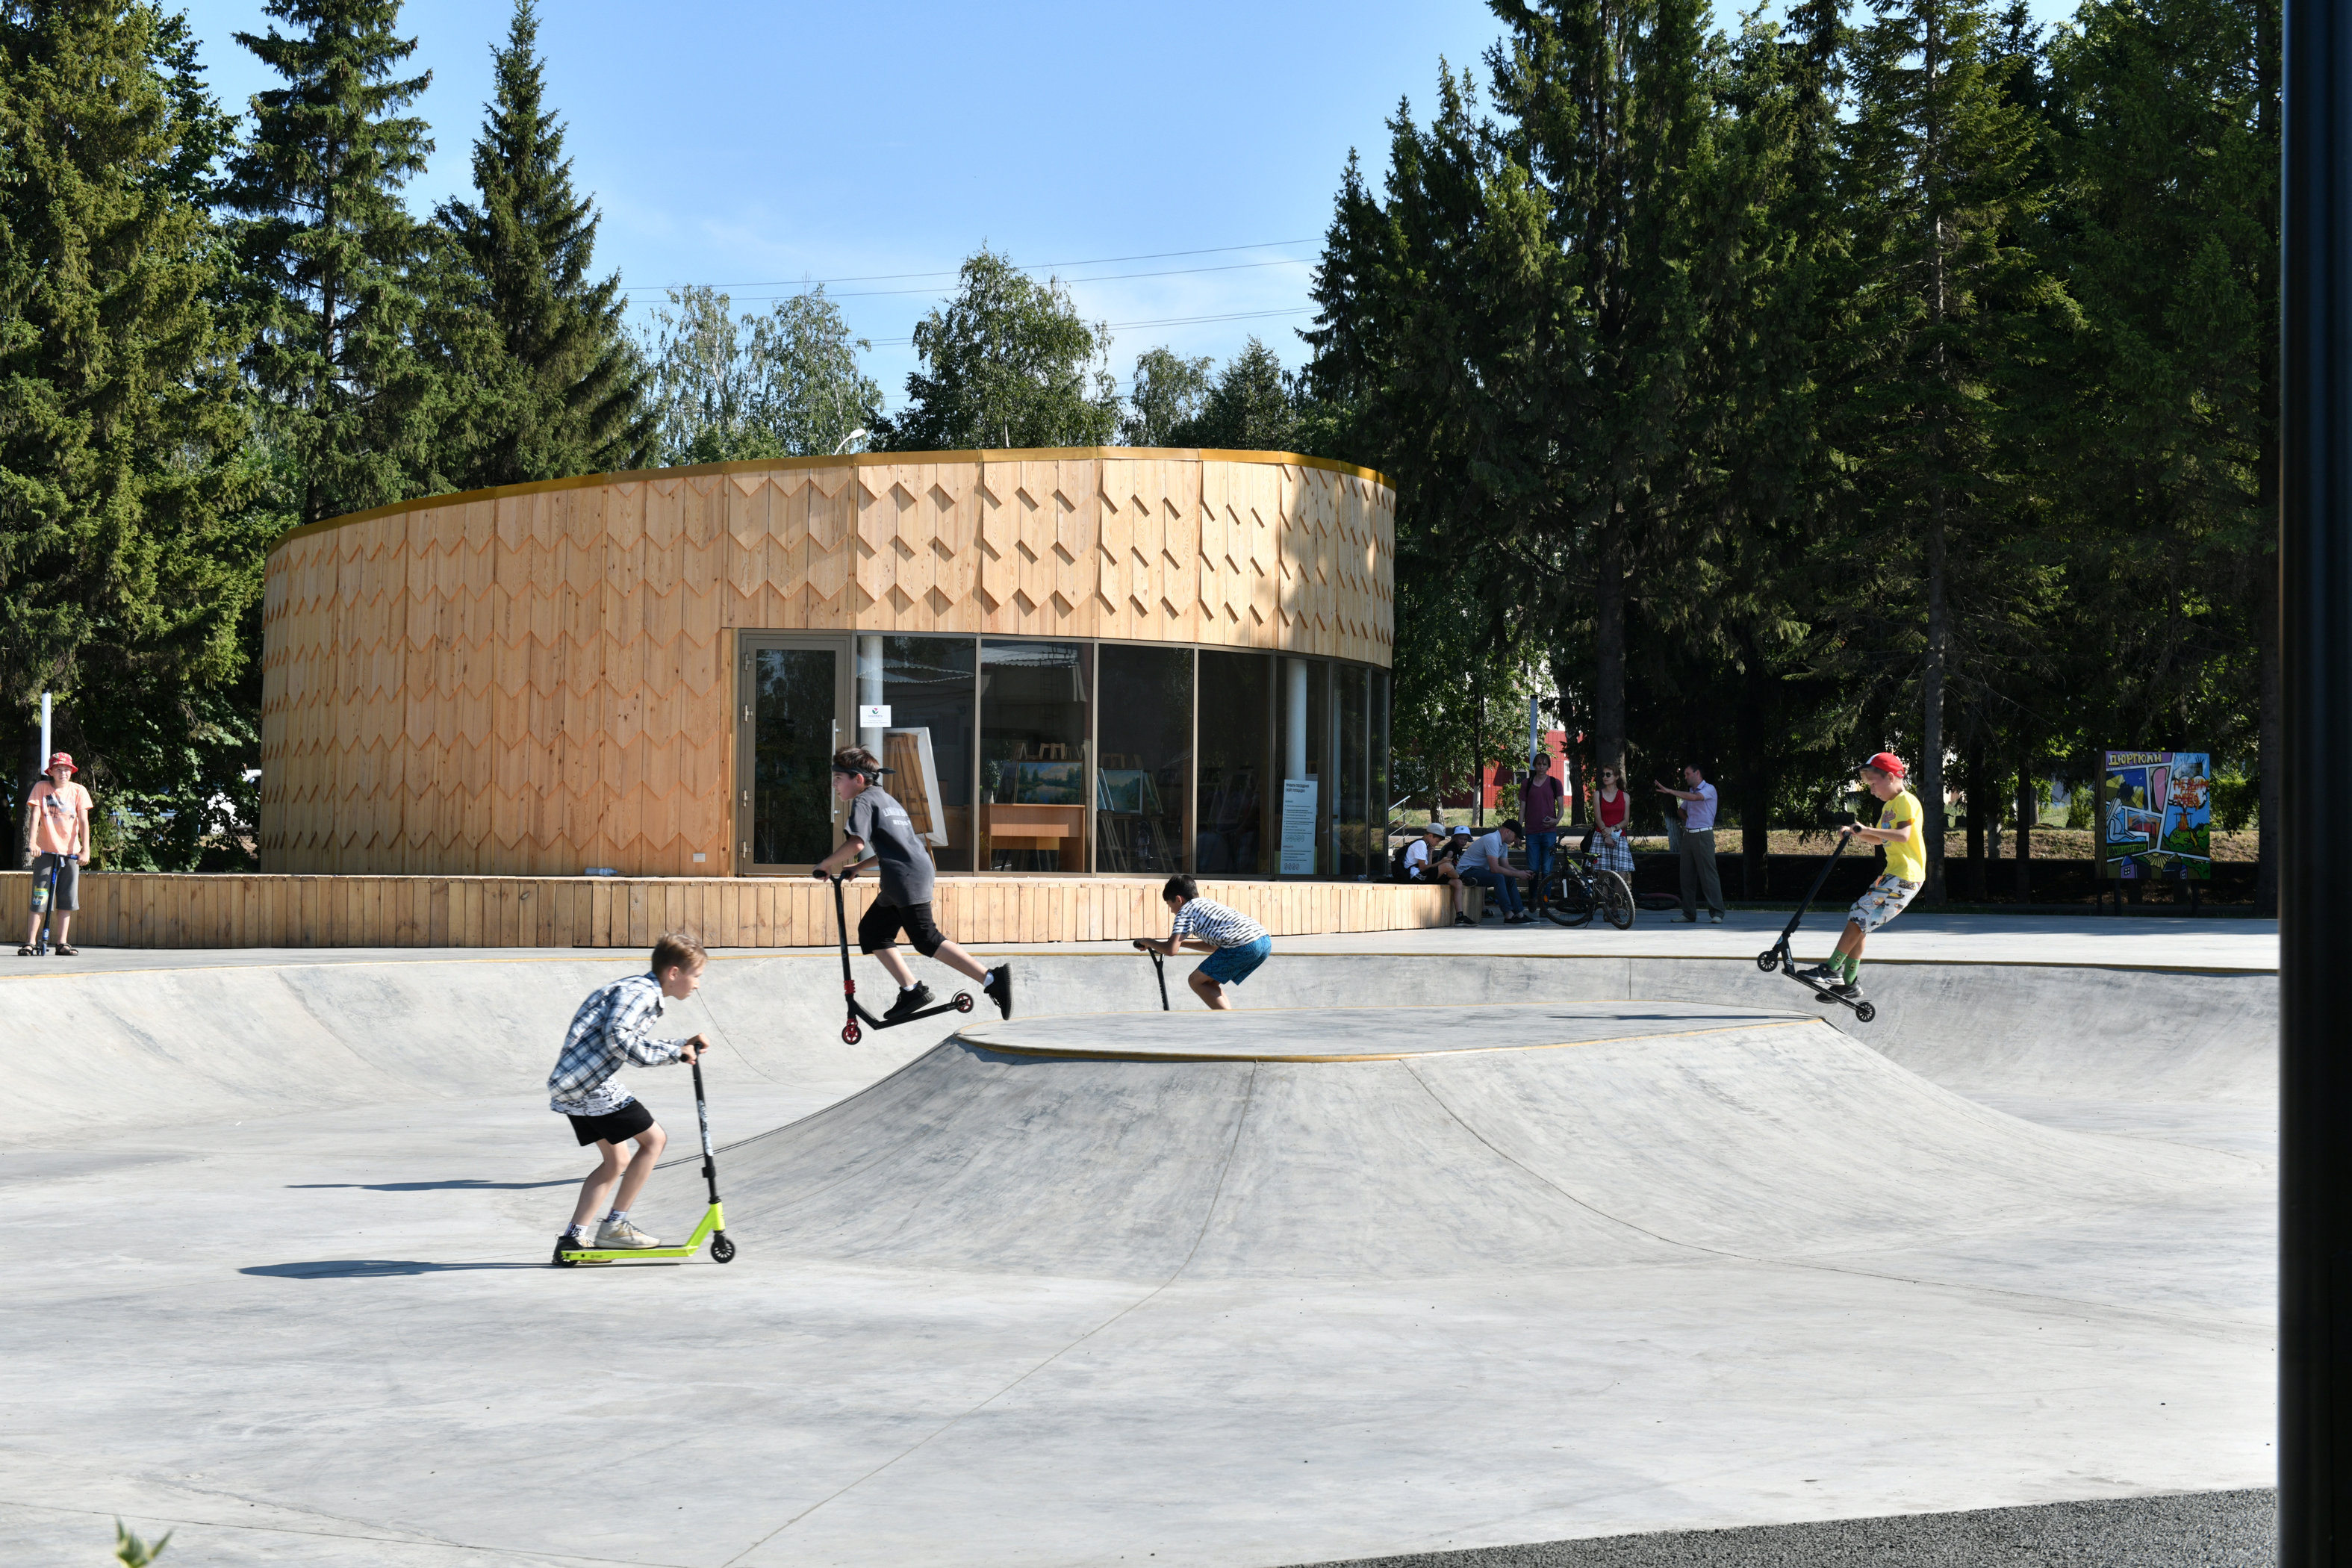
536,679
222,911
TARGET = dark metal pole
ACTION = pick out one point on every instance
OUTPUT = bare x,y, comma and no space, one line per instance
2316,876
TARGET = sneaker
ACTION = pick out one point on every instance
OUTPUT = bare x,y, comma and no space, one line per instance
1000,990
614,1234
1458,920
1822,975
1849,989
1716,919
563,1243
913,1001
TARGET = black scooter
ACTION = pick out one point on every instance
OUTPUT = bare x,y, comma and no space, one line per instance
1159,968
850,1032
1778,955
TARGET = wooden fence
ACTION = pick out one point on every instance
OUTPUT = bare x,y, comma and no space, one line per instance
231,910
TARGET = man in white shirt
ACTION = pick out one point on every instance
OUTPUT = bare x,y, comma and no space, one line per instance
1698,845
1422,864
1487,864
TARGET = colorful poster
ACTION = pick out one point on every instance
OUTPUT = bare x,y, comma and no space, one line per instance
2155,814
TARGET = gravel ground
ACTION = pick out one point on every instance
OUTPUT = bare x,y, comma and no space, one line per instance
2193,1529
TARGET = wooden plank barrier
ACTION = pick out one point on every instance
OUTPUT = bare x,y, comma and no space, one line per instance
142,910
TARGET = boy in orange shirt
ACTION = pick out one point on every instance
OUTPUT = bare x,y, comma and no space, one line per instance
57,812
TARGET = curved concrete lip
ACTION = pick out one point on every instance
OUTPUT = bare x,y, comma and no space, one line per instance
1363,1034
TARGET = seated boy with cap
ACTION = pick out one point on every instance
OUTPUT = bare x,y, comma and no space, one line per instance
1425,861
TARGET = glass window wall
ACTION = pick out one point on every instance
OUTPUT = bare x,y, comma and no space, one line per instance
1383,795
1352,697
1306,808
1035,757
1234,835
928,686
1145,732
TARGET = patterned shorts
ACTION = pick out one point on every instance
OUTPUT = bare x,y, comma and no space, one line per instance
1882,901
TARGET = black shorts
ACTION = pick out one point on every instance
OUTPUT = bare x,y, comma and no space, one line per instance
879,927
613,1127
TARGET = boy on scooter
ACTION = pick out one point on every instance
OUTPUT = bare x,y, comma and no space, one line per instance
1236,943
611,1029
880,824
1900,832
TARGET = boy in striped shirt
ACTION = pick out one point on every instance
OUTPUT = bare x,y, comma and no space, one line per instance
1236,943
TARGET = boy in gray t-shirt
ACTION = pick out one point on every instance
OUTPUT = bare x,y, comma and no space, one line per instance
881,834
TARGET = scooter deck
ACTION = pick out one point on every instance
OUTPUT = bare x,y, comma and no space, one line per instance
712,1221
961,1002
1862,1009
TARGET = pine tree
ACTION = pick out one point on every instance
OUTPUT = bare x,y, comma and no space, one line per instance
565,389
333,256
1251,408
1937,185
124,565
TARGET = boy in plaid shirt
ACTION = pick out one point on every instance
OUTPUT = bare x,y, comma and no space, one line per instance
1236,943
611,1027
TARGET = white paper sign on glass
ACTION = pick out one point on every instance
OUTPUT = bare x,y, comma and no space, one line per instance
1298,827
874,715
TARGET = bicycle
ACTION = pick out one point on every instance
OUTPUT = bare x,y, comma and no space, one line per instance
1576,890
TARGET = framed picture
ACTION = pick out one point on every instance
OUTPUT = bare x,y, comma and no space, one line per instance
1049,783
2155,814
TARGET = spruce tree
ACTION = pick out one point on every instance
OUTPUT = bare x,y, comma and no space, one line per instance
124,566
333,256
1252,407
1944,296
565,388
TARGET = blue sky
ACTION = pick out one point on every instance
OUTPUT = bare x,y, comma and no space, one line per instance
1177,165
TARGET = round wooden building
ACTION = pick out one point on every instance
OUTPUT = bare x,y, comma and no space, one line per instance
1091,660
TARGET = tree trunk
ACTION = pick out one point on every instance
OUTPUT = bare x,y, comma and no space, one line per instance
1755,781
1931,691
1609,653
2028,807
1981,800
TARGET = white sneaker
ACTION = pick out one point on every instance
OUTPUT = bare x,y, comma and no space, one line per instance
620,1234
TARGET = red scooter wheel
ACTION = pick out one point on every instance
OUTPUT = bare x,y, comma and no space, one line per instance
850,1032
963,1002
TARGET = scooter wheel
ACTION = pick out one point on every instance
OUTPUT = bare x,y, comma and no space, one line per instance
851,1034
721,1249
963,1002
1864,1011
1769,962
563,1262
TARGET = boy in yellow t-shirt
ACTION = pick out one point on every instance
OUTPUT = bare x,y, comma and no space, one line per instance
1900,831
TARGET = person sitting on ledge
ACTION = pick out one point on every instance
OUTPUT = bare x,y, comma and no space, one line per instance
1425,860
1236,943
1486,863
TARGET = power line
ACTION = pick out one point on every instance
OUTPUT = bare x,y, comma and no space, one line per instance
1164,322
806,283
1109,278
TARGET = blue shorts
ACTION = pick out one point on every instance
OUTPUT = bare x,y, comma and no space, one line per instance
1232,965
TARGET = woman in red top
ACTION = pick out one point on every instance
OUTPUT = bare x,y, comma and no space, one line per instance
1611,849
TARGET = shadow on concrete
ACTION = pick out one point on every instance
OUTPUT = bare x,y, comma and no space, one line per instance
464,1183
370,1269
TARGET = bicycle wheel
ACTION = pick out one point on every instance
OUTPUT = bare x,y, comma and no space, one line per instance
1616,898
1569,898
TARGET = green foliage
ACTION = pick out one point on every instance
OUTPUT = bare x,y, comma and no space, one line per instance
132,1553
1252,407
128,559
332,260
1167,393
1007,362
2237,802
553,386
727,388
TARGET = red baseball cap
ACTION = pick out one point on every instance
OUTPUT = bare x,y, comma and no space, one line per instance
1887,763
61,760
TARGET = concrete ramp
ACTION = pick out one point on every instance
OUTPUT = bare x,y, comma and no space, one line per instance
1417,1143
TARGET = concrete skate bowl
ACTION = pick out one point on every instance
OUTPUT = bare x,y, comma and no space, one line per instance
1535,1248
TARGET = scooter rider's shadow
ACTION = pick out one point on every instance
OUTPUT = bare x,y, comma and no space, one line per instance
370,1269
463,1183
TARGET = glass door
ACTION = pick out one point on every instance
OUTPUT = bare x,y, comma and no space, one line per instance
792,700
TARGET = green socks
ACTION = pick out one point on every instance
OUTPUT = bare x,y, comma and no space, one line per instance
1848,966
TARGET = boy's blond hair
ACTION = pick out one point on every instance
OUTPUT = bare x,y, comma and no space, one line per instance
679,950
